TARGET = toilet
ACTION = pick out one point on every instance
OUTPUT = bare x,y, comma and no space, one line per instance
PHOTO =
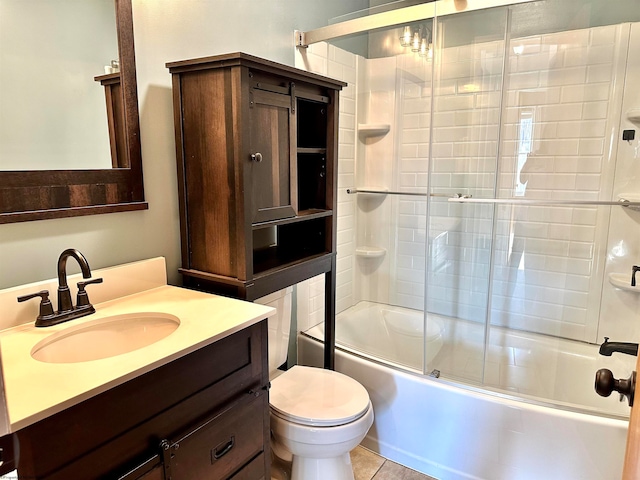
317,416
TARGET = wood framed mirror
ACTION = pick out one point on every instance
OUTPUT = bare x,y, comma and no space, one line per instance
44,194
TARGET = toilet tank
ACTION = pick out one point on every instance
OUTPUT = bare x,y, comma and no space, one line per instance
279,326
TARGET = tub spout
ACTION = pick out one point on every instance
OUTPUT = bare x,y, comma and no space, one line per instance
607,348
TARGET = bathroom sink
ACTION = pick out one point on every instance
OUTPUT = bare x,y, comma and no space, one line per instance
105,337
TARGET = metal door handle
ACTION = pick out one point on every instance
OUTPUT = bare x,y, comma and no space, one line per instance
607,384
256,157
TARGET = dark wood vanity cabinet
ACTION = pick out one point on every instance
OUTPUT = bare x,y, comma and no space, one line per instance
257,156
202,416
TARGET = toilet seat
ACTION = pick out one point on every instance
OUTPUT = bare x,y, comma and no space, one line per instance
316,397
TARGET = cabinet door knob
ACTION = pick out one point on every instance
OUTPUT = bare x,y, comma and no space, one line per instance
256,157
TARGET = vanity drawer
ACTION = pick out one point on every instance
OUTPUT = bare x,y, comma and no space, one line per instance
254,470
222,444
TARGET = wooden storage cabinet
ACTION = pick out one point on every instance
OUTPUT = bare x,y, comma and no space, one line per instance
204,416
257,153
115,119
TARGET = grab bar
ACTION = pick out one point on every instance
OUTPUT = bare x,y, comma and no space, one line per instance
515,201
468,198
352,191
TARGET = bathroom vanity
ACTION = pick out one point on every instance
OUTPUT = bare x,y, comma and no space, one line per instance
201,416
193,404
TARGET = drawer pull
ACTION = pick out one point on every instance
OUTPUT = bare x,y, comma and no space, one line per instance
222,449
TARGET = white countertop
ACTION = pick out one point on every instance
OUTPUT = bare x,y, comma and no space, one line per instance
35,390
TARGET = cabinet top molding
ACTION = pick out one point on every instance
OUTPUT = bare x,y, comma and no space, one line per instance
245,60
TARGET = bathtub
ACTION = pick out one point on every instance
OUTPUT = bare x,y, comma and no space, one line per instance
497,424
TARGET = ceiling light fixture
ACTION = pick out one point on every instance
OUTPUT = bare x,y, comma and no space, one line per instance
415,44
405,39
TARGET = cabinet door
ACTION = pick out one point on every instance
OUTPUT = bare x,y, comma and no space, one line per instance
273,195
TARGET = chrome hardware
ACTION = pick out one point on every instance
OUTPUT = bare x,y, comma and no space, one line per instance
256,157
352,191
298,39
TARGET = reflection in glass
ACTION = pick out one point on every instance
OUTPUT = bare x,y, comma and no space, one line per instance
52,111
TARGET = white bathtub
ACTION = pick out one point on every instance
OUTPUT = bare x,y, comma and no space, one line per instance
452,430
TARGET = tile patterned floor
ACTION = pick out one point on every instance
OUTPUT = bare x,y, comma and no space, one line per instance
367,465
370,466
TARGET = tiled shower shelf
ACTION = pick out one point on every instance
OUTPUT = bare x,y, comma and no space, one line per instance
373,129
370,252
633,116
623,281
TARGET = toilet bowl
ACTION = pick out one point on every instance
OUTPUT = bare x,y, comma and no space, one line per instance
317,416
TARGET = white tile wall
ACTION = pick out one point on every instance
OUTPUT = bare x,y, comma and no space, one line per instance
328,60
548,262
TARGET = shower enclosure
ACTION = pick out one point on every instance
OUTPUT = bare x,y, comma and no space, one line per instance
489,182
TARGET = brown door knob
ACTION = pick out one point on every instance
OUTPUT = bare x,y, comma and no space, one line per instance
606,384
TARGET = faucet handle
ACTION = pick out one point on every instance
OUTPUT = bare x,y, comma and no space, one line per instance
46,308
83,299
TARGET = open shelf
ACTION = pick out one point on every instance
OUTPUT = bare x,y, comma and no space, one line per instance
311,124
373,129
302,216
288,243
623,281
321,151
370,252
264,274
633,116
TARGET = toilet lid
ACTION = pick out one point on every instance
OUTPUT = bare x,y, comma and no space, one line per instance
316,397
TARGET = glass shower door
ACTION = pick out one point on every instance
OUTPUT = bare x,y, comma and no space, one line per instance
466,113
527,102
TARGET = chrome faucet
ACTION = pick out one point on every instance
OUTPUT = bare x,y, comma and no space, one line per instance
66,310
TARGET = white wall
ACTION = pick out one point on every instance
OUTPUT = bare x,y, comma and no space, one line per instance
328,60
164,30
